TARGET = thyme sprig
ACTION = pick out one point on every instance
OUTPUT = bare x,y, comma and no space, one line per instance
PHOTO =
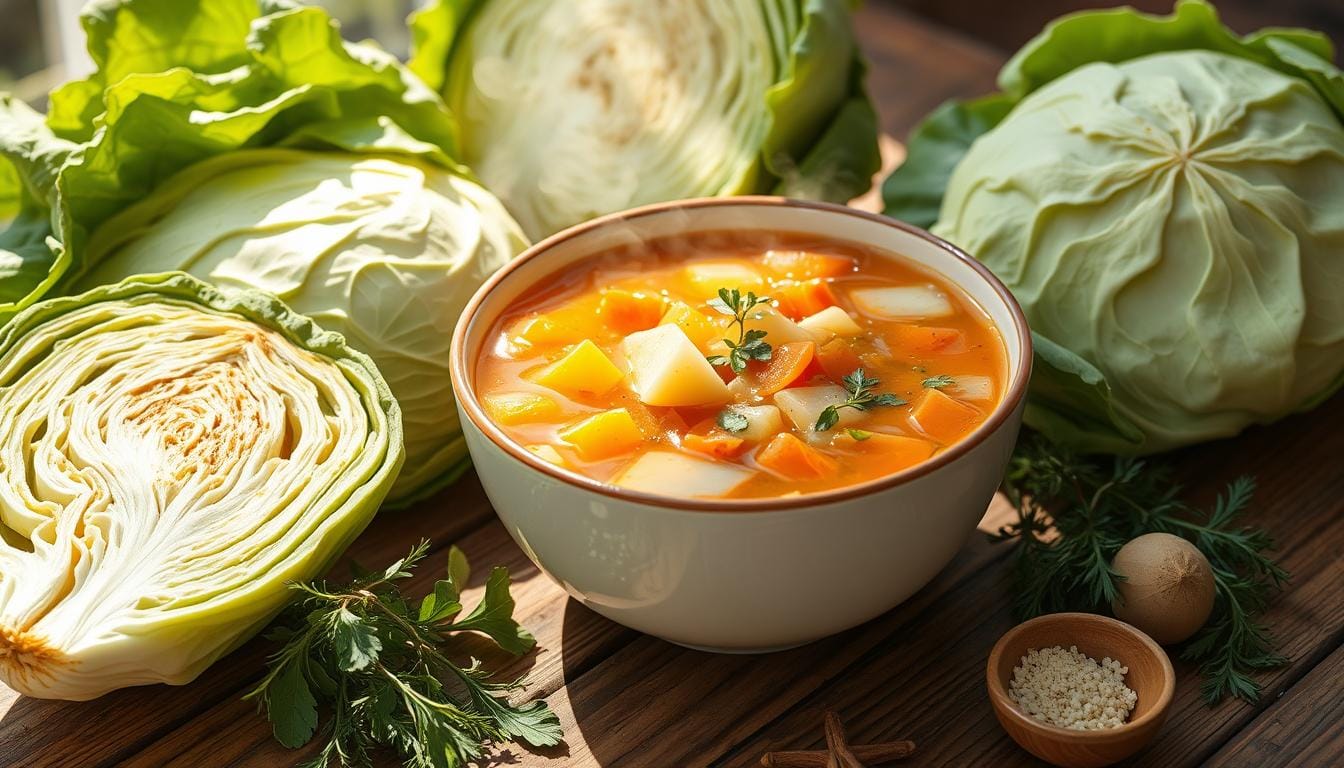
380,670
863,396
1075,513
750,345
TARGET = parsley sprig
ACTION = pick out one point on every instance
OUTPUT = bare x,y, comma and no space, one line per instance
750,345
378,667
938,382
1075,513
862,397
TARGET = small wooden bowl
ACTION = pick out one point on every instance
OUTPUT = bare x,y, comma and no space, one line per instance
1150,676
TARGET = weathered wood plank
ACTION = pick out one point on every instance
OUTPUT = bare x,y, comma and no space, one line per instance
231,732
60,734
928,686
914,67
1305,727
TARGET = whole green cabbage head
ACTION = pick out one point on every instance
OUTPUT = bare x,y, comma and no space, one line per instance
172,458
1169,211
1178,221
575,108
384,250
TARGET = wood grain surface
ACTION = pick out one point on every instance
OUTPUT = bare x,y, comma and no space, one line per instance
917,672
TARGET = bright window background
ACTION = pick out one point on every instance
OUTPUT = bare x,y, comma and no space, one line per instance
42,45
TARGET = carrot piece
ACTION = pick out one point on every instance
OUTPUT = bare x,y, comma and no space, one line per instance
837,359
558,327
943,418
792,459
922,340
653,421
630,311
697,326
805,265
894,452
786,365
799,300
718,445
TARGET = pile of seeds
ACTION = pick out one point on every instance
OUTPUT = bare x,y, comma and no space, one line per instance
1072,690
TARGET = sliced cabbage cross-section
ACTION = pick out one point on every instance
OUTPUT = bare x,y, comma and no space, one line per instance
170,458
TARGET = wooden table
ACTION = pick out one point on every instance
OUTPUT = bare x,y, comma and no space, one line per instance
629,700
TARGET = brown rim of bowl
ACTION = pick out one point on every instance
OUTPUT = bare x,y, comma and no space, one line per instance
999,692
464,385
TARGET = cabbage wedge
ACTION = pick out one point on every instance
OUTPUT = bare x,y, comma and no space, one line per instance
172,457
575,108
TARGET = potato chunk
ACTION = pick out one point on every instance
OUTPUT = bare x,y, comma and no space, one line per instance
802,406
604,435
829,323
707,277
906,302
778,328
669,370
763,422
972,388
586,370
676,474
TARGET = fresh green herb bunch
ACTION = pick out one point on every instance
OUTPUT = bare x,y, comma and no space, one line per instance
378,666
862,397
1075,513
750,345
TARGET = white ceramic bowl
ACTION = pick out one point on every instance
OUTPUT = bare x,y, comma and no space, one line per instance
753,574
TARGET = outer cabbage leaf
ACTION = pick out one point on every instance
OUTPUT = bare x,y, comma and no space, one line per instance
1088,397
299,84
384,250
161,116
576,109
914,191
173,457
30,156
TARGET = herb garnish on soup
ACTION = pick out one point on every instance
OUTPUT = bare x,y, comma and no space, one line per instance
731,365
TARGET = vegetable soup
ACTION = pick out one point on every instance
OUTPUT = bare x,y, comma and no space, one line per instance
731,365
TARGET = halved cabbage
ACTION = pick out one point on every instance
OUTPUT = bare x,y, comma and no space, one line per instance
578,108
170,457
384,250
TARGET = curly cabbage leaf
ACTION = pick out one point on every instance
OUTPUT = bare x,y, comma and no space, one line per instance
383,250
30,157
1166,200
172,458
180,81
575,109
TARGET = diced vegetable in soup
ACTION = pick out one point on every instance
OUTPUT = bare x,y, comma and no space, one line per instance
740,366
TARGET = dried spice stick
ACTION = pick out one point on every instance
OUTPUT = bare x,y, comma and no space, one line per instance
858,755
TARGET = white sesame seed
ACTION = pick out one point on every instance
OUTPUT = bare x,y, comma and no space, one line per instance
1071,690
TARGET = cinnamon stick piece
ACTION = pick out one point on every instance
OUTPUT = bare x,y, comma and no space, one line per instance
837,745
875,754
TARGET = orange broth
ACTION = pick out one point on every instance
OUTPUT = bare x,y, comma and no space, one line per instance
582,372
